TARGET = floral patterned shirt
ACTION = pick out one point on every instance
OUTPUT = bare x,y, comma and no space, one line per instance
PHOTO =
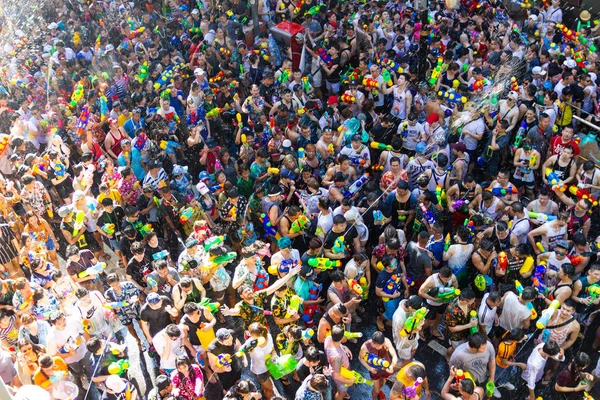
188,389
389,181
454,317
35,198
250,313
127,185
112,180
279,306
127,313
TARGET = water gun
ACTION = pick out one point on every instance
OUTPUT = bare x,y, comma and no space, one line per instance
300,224
103,103
310,310
151,282
514,85
4,141
582,194
109,229
357,185
299,6
538,278
452,96
338,245
474,329
213,241
391,286
427,215
268,227
247,347
593,291
116,304
307,334
378,215
355,287
532,159
186,214
546,314
306,83
357,160
391,64
160,255
540,247
23,84
519,288
490,388
83,120
447,242
145,229
324,56
444,294
347,98
283,267
79,220
355,376
551,177
284,76
370,83
460,375
527,265
77,95
437,72
223,361
273,170
212,307
324,263
314,10
385,74
294,306
284,365
457,204
118,367
541,216
410,392
231,16
169,146
377,168
413,322
377,362
503,191
519,139
143,72
164,78
381,146
477,85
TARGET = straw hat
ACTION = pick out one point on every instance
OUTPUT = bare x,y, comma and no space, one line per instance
585,15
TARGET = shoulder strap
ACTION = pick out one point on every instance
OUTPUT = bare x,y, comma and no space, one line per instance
567,322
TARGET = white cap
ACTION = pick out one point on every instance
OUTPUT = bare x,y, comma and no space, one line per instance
199,71
115,383
287,143
570,63
513,95
109,47
202,188
53,25
351,215
538,71
195,11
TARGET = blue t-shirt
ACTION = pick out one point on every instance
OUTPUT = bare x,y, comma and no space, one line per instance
136,164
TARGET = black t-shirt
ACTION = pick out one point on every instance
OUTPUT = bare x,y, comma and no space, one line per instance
303,371
335,75
150,251
125,246
348,238
382,134
116,217
578,93
138,270
157,319
217,348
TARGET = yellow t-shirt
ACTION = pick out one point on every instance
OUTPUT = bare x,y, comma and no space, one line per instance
40,379
405,380
114,195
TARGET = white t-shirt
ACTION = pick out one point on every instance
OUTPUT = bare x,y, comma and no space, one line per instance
324,224
277,258
96,314
398,320
70,336
477,127
258,356
160,343
513,312
486,314
413,133
535,367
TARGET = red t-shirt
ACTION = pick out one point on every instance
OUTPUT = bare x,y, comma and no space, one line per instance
556,146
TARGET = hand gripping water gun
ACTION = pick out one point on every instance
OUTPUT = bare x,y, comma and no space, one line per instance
160,255
444,294
447,241
503,191
294,306
540,247
169,146
410,392
214,112
385,74
268,227
381,146
145,229
473,315
300,224
79,220
186,214
151,282
93,270
109,229
223,361
214,241
376,362
284,365
392,286
541,216
338,245
427,215
347,98
457,204
273,170
519,138
452,96
378,215
143,72
390,64
324,263
582,194
324,56
593,291
116,304
538,278
527,265
437,72
552,178
212,307
118,367
519,288
413,322
77,95
83,120
355,376
307,334
355,287
247,348
164,78
357,185
546,314
370,83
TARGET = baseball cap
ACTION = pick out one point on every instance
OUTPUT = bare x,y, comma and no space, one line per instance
78,195
178,170
287,174
153,298
199,71
195,11
202,188
538,71
533,17
513,95
115,383
459,146
223,334
65,210
570,63
356,137
432,118
109,47
562,243
284,242
332,100
351,215
421,146
53,26
287,144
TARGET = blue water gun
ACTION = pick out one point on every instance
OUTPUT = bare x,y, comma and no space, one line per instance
357,185
160,255
268,227
378,215
169,146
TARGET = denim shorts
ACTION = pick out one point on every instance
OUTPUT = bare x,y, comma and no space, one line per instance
50,245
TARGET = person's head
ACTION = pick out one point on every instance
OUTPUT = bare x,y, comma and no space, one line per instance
494,299
594,272
46,363
94,345
445,274
163,385
477,343
337,333
319,382
550,349
257,331
183,365
467,296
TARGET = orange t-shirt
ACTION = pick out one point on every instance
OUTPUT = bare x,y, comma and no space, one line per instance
506,351
41,379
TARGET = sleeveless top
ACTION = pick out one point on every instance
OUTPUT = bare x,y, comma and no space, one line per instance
437,179
576,222
524,174
560,171
558,335
381,353
193,327
464,193
389,156
438,284
194,296
116,147
491,210
552,236
500,244
399,106
554,265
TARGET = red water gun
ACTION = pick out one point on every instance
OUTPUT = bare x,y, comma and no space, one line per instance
347,98
582,194
370,83
324,56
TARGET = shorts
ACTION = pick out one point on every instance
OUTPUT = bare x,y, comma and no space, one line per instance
434,311
114,245
405,353
333,87
50,245
519,183
262,378
380,375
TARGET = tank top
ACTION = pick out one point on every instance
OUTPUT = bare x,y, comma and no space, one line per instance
554,265
437,179
490,211
438,284
552,236
405,380
381,353
194,296
537,208
464,170
389,156
464,193
576,222
524,174
500,244
116,147
559,335
399,106
193,327
512,270
560,171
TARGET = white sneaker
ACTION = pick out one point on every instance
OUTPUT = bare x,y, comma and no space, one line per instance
497,394
506,385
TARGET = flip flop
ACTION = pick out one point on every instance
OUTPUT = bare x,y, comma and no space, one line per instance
380,325
438,336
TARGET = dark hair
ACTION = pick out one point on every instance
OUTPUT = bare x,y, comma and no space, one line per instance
337,333
477,340
173,331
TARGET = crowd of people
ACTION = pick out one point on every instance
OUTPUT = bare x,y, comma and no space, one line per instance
244,212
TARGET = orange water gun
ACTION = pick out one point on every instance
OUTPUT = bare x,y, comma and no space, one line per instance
347,98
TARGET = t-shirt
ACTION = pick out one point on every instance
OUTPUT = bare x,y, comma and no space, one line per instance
535,367
7,367
160,342
216,348
419,262
157,319
303,371
59,367
513,312
139,270
475,363
69,338
74,268
163,286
